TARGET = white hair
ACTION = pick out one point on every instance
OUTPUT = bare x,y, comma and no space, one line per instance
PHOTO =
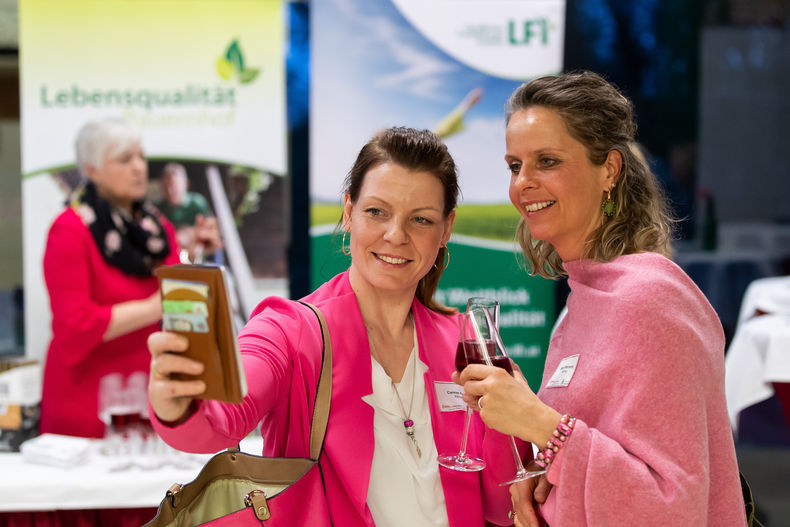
103,138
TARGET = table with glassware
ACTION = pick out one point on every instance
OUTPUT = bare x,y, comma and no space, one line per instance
110,476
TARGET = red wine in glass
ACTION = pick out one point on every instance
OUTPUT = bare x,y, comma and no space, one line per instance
119,423
473,356
468,352
460,358
499,362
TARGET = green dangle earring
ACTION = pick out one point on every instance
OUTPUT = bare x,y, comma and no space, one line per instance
607,205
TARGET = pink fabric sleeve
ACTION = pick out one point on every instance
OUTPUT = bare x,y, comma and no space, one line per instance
266,357
77,320
658,395
500,467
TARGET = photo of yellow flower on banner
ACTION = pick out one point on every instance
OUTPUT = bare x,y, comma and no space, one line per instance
203,83
447,66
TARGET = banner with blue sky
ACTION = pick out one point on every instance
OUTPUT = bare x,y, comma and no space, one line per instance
448,66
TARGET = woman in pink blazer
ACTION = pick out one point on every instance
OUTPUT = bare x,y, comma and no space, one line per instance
393,402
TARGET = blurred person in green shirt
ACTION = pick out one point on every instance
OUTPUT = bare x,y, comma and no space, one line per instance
196,227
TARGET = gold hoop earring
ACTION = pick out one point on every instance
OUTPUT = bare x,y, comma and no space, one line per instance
607,205
343,245
446,258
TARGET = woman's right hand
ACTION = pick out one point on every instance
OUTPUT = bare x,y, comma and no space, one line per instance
171,398
526,496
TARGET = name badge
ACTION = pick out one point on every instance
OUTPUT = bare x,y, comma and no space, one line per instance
564,372
450,396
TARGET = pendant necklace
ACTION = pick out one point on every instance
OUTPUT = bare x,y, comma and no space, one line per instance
408,423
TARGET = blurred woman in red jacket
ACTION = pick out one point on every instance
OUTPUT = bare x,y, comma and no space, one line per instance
98,264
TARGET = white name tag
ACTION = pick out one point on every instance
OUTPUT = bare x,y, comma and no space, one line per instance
562,376
450,396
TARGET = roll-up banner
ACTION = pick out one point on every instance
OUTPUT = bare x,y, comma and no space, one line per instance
203,81
448,66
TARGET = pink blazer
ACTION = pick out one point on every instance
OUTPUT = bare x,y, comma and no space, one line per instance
281,350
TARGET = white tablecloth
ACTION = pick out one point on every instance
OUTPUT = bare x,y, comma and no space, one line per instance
768,295
101,483
758,356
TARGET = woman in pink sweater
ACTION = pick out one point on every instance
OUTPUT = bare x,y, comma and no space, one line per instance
631,417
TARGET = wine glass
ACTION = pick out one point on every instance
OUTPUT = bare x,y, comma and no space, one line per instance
462,461
488,344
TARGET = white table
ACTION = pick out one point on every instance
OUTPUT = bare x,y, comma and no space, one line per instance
758,356
766,295
100,483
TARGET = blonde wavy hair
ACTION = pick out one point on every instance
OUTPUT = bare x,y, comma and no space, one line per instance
602,119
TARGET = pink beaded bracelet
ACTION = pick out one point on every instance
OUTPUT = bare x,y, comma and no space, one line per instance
558,437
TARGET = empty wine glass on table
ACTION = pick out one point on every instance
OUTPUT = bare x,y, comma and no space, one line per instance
461,460
488,344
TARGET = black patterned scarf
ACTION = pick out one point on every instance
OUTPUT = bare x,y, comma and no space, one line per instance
135,243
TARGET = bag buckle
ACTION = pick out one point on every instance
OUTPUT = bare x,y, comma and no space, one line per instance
172,493
257,500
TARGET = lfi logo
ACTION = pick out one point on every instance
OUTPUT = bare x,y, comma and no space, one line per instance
524,33
233,63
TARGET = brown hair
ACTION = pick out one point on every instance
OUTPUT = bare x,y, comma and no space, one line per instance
602,119
417,151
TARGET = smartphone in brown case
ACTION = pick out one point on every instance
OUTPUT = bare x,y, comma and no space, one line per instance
196,304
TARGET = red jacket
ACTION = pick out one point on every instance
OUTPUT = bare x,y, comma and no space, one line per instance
82,289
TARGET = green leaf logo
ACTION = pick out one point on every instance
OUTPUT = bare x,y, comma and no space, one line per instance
224,68
248,75
233,63
234,56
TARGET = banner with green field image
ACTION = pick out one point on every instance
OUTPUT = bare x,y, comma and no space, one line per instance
479,266
203,82
448,67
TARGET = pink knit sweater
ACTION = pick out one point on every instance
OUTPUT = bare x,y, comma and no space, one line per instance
652,444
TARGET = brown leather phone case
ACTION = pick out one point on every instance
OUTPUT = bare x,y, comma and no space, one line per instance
212,340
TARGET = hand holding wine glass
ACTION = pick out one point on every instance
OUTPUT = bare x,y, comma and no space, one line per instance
462,461
492,351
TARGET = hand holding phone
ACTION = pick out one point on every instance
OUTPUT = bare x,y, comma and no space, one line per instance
196,305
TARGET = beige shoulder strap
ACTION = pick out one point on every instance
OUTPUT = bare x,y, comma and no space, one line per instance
323,394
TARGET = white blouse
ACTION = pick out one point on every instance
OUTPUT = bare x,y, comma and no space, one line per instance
404,489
